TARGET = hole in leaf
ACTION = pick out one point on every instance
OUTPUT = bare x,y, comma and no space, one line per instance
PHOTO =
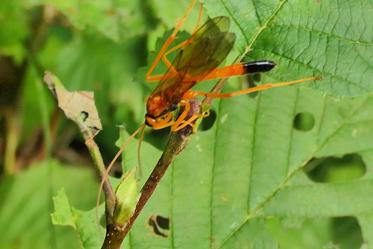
84,115
158,138
334,169
208,122
160,225
163,222
304,121
117,171
332,233
346,233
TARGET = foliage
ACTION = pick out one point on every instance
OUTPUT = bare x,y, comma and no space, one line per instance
27,204
287,168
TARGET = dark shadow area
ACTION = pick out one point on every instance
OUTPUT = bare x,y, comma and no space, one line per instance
346,233
251,80
160,225
208,122
317,233
157,138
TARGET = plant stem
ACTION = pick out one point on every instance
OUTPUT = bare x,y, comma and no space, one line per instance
12,133
95,153
115,234
88,134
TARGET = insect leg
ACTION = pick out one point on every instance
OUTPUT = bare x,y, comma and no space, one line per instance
190,121
186,105
182,122
252,89
169,40
160,124
179,126
200,14
156,78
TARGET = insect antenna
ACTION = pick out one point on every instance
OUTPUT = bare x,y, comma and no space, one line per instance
139,169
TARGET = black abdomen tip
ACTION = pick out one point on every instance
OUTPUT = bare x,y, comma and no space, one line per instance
258,66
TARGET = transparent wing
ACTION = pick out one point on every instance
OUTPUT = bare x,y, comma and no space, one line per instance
209,46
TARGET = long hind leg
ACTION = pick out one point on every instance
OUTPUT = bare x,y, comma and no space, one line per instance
169,40
193,94
163,53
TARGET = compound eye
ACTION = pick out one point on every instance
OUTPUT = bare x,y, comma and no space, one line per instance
150,121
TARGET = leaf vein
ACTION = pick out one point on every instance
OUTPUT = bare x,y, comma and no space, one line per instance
339,77
212,176
337,37
255,121
264,27
234,20
256,12
291,133
287,179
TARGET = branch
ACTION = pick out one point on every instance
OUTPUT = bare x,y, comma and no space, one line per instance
95,153
115,234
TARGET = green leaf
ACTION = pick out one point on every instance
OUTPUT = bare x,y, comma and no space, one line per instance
296,233
117,20
169,12
326,38
365,221
63,215
13,28
83,222
26,205
234,179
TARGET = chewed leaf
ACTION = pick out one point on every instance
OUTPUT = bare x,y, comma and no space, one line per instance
63,214
78,106
83,222
26,206
326,38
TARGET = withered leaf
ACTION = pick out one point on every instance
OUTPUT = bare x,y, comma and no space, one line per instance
78,106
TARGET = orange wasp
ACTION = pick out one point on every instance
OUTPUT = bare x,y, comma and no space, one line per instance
197,60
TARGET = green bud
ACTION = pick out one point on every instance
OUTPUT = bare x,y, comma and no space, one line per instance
127,196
